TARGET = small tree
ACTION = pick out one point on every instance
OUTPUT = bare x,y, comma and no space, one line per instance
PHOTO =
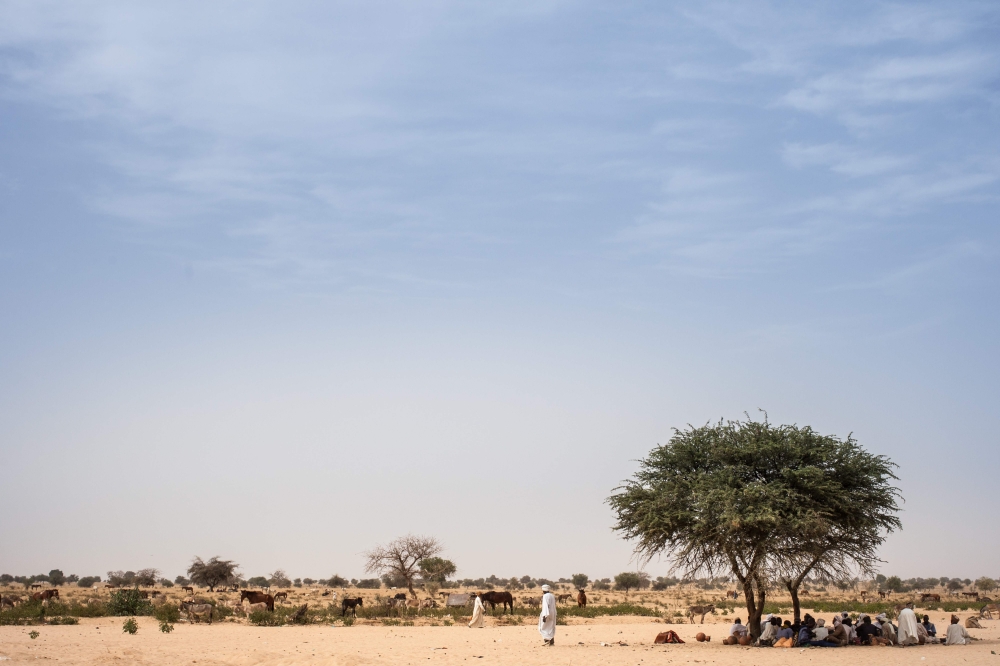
279,579
954,585
212,573
258,581
181,580
56,577
121,578
401,558
336,581
894,584
580,580
985,584
627,580
437,569
146,577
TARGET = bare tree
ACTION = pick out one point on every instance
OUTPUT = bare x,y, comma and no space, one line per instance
401,557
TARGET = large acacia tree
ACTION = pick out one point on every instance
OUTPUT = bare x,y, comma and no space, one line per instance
756,501
401,558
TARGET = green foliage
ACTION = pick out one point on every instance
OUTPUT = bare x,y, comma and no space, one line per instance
437,569
894,583
627,580
166,627
128,602
64,620
166,582
258,581
130,626
88,581
580,580
279,579
369,584
167,612
181,580
56,577
33,635
347,620
213,573
265,618
985,584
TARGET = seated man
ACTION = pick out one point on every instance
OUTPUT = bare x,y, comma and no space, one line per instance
805,631
821,632
867,631
928,627
957,635
769,634
840,635
786,636
736,632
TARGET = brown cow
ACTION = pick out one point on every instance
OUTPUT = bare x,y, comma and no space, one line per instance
257,597
187,588
581,599
927,596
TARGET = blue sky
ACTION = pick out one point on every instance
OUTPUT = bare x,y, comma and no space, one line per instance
338,272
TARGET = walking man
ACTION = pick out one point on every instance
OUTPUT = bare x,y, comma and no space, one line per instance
547,618
478,611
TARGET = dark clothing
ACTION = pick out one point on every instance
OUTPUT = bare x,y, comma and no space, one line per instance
805,635
931,629
866,631
785,632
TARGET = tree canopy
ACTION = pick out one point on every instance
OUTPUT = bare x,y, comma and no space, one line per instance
400,559
758,501
436,569
212,573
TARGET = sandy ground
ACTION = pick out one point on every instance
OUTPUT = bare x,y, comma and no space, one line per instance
101,641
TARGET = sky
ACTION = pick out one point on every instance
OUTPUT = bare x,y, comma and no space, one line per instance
283,281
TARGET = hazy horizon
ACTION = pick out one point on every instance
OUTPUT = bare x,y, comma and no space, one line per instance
282,282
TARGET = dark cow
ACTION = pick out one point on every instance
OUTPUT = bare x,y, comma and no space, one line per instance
400,595
46,595
352,604
257,598
188,588
581,599
926,596
494,598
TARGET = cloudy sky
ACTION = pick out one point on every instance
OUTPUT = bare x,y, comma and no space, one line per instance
280,281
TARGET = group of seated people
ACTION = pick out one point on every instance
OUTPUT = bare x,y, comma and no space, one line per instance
845,631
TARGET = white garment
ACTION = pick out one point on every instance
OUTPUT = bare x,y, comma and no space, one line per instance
478,611
820,633
907,634
737,630
957,635
547,618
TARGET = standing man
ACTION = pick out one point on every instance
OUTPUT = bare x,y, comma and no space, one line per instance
547,618
907,627
478,613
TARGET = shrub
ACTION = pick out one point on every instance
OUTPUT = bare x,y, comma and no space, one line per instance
130,626
166,583
166,627
167,613
129,602
580,580
64,620
33,635
347,620
369,584
88,581
264,618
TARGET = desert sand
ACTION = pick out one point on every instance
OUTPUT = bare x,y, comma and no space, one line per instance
627,640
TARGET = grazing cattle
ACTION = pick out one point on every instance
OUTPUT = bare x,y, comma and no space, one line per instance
282,595
195,611
493,598
971,595
45,596
428,603
700,610
257,597
563,597
581,599
352,604
187,588
927,596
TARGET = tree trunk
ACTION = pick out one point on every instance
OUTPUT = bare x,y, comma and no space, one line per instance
793,590
755,595
409,584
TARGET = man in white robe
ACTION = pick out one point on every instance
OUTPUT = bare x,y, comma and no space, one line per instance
478,614
957,635
547,618
907,634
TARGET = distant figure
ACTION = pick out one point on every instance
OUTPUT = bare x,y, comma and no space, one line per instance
478,614
957,635
581,599
907,627
547,618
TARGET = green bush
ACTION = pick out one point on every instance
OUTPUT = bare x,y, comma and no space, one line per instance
166,627
129,602
64,620
265,618
167,613
347,620
33,635
130,626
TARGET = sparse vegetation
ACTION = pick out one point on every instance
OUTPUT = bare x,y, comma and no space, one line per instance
213,573
130,626
128,602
